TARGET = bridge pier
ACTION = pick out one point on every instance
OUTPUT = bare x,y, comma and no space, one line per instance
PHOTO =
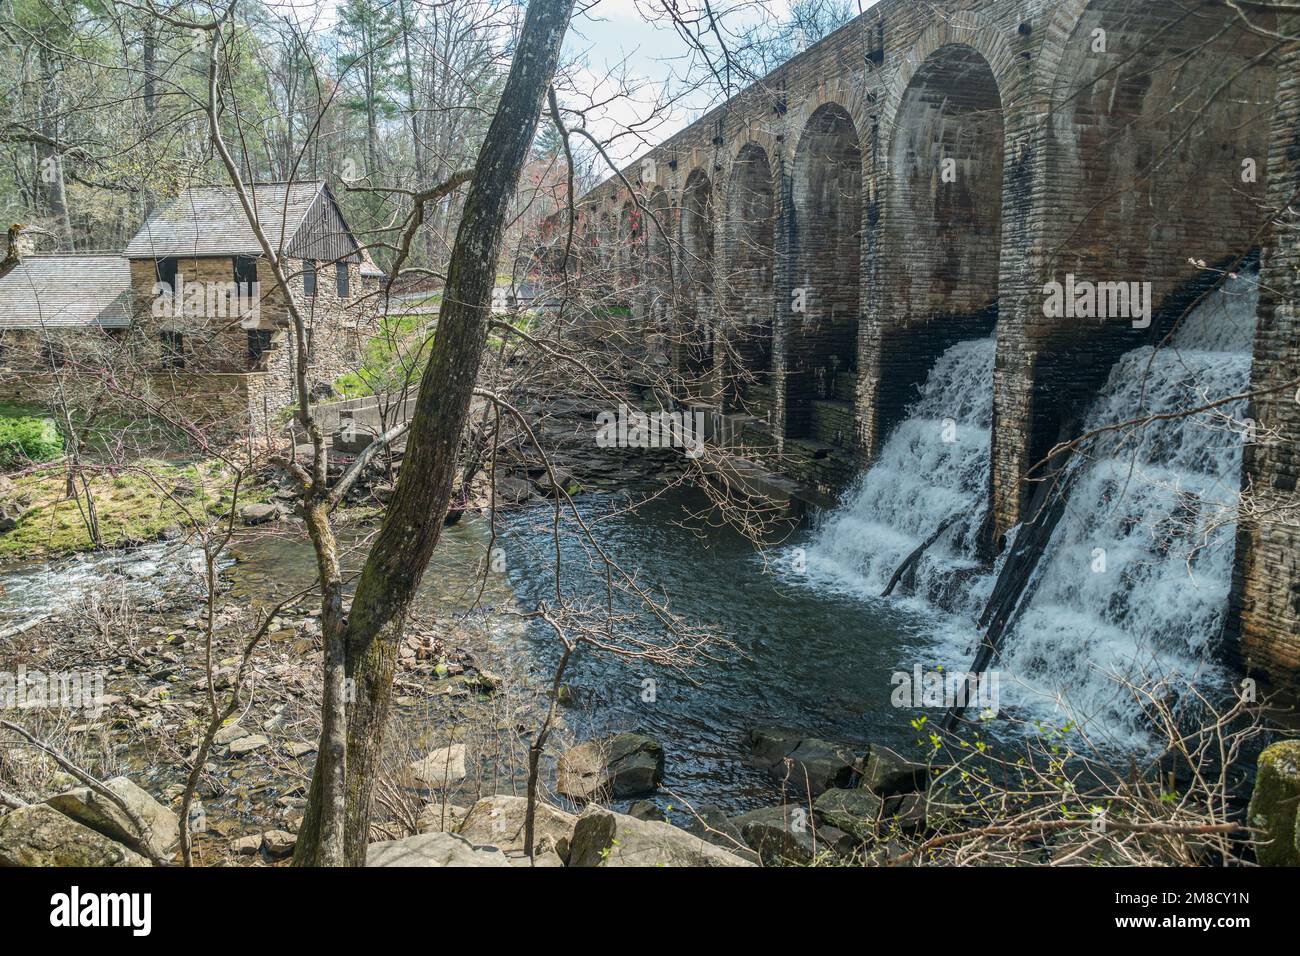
1264,619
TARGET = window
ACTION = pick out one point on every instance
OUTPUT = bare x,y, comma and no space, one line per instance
309,276
259,342
311,345
53,353
246,270
173,348
341,279
166,270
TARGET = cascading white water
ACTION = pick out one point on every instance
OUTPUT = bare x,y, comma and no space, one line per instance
1134,580
934,466
1133,585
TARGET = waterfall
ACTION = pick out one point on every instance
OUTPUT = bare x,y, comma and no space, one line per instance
934,466
1134,579
1134,582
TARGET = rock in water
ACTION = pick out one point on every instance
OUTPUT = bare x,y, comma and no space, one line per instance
768,746
499,821
39,835
247,744
605,838
258,513
711,825
1275,805
94,810
647,810
853,811
779,835
625,765
888,774
816,766
441,768
433,849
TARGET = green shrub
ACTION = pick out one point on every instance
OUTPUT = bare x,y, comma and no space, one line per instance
28,439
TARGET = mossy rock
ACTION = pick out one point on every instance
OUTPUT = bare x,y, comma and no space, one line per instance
1275,805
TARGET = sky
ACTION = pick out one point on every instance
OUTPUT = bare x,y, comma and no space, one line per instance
628,44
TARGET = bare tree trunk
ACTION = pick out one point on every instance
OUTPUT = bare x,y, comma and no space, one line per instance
411,528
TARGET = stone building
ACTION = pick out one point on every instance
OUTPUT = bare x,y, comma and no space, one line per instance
191,307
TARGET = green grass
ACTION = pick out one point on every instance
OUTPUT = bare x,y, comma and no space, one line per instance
133,506
390,359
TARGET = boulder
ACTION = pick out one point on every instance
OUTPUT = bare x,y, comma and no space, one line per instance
433,849
605,838
711,825
442,767
511,490
1275,805
440,817
247,744
94,810
647,810
768,746
887,773
499,821
906,811
259,513
229,734
247,846
855,811
39,835
278,844
779,835
625,765
563,480
816,766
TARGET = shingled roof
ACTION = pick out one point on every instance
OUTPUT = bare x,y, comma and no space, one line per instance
209,221
66,291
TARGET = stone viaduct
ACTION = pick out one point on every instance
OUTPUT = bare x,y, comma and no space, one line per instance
918,176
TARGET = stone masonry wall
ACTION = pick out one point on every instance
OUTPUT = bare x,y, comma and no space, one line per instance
1004,144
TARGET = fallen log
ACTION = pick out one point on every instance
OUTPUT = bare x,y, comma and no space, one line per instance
911,560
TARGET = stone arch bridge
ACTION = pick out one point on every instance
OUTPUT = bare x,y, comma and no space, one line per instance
918,177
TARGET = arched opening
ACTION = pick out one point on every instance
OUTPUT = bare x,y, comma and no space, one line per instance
1156,163
749,306
947,156
826,233
695,335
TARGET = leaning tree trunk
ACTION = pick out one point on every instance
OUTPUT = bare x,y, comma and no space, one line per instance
410,531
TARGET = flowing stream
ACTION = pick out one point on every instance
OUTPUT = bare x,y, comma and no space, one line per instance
1134,579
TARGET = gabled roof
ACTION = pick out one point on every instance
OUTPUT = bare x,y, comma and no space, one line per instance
66,291
209,221
368,266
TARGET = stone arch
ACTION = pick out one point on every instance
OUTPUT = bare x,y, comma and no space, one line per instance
696,281
745,318
944,217
1136,169
825,249
1146,137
